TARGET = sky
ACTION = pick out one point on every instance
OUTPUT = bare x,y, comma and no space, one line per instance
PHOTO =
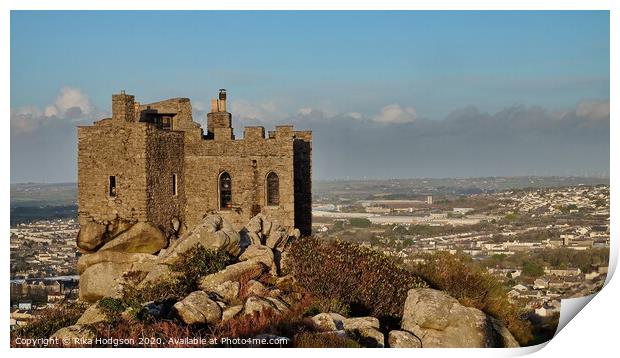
387,94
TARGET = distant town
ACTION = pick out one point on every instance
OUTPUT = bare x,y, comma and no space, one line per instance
544,238
544,243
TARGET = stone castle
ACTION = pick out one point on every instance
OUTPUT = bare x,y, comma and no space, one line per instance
153,163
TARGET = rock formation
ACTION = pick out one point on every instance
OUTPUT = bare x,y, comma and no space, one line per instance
142,248
439,320
430,318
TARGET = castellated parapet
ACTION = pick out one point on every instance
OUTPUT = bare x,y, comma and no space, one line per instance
153,163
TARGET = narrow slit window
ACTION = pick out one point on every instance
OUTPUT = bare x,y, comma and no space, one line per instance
112,186
273,189
174,185
225,186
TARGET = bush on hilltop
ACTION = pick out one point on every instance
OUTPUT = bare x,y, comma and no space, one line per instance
362,278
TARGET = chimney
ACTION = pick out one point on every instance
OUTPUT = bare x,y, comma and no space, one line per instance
219,118
222,100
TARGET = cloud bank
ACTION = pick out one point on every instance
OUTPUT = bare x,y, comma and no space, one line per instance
393,142
44,140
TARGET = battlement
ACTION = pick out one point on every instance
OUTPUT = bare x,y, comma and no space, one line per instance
254,133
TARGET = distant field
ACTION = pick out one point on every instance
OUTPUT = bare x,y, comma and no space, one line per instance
36,201
41,195
416,189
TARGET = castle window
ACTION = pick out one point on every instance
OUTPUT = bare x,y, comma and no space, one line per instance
166,122
273,189
112,186
174,184
225,187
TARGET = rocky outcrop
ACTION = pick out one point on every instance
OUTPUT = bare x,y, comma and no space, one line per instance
250,269
139,238
85,261
255,288
92,315
365,330
324,322
439,320
212,233
197,307
75,335
91,235
255,304
102,280
259,253
231,312
403,339
142,248
226,291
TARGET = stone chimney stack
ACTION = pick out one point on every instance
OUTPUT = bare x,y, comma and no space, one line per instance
222,100
219,120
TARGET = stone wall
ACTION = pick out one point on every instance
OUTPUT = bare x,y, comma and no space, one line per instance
302,161
248,161
164,158
106,150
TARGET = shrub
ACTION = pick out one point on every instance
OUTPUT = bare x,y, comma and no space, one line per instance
323,340
49,321
466,281
286,324
112,308
532,269
366,280
193,264
359,222
328,305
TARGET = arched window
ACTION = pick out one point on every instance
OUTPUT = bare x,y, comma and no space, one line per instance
225,186
273,189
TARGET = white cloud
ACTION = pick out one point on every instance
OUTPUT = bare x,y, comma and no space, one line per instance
71,105
354,115
305,111
69,99
265,111
593,109
394,113
26,119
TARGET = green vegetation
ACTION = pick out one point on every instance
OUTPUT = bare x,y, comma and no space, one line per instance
554,258
193,264
532,269
468,282
328,305
359,222
112,308
427,230
366,280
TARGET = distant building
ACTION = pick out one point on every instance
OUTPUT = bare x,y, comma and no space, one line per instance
24,306
462,211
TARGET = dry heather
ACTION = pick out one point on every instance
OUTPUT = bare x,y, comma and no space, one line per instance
362,278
